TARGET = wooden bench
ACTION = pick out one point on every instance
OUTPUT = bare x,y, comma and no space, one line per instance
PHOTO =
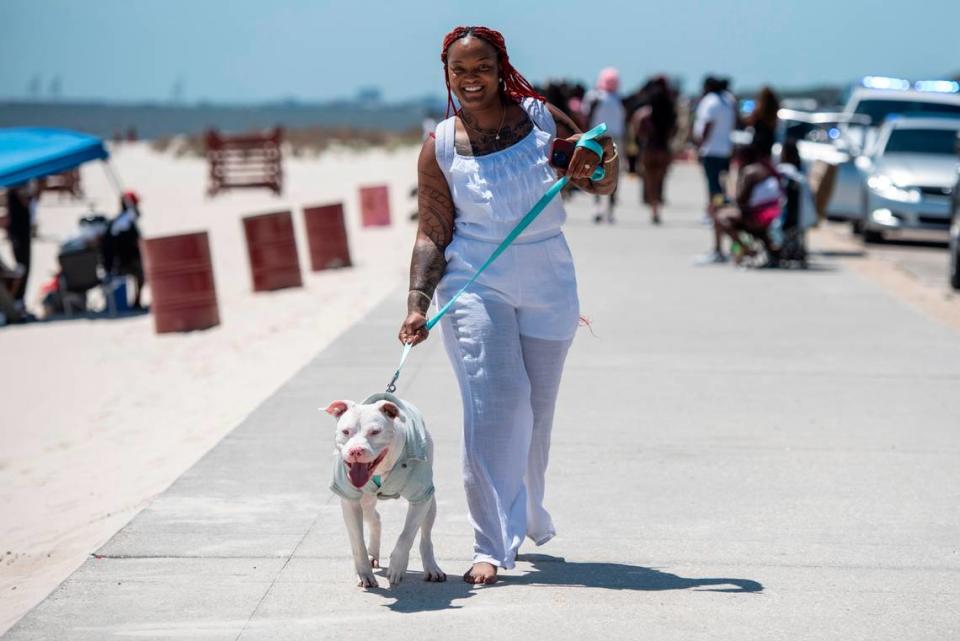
67,183
250,160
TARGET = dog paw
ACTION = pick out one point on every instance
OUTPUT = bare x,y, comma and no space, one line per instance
397,569
367,580
433,574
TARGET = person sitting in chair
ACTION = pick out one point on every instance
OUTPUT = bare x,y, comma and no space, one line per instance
121,244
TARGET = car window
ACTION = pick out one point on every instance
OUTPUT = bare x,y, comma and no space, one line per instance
922,141
878,110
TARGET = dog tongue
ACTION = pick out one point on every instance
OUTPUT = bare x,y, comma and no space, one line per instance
359,474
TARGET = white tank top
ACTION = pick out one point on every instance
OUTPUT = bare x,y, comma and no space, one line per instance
491,193
767,192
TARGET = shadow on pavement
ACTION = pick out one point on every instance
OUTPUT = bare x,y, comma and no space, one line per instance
552,570
416,595
893,243
839,253
413,595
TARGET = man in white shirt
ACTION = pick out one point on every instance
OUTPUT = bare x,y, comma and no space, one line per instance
715,120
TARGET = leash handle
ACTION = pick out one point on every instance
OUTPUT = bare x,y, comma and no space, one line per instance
586,140
392,385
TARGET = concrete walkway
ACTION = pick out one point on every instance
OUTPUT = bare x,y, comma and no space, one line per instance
737,454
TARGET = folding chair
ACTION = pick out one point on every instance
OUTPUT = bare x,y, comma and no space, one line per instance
79,273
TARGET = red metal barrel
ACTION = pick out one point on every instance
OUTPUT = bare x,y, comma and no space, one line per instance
326,237
272,249
180,275
374,206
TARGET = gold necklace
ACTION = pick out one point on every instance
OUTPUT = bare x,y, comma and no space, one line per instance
503,117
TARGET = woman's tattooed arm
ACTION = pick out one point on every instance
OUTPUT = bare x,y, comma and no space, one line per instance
434,233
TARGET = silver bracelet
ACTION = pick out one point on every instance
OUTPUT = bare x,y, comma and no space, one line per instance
417,291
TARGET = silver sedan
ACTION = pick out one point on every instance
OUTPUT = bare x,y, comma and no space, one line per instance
908,175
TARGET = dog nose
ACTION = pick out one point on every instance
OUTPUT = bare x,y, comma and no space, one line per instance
355,452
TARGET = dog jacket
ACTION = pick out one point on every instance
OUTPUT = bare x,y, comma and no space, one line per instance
411,476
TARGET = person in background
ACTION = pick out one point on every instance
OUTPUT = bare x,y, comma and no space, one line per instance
121,244
575,104
799,211
760,200
9,278
632,144
19,233
655,124
603,104
715,120
763,119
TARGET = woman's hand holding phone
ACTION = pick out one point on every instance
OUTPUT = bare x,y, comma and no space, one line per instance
577,163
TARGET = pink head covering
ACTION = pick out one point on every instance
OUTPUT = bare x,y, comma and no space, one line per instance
609,80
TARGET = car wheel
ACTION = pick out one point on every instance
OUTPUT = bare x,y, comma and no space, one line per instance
955,253
872,236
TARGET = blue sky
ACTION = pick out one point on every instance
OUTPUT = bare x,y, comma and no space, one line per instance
257,50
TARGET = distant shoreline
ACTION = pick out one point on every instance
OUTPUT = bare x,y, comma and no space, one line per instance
156,120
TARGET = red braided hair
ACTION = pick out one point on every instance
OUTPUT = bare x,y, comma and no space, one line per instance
515,86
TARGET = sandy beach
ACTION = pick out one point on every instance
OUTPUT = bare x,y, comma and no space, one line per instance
102,415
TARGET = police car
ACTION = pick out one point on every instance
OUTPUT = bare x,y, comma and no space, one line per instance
867,108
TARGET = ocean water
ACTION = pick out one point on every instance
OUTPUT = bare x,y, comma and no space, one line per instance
159,120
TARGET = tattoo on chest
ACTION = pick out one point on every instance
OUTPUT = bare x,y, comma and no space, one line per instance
475,143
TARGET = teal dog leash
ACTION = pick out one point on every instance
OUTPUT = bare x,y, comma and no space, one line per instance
586,140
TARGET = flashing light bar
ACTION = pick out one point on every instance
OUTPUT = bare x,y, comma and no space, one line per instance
899,84
883,82
938,86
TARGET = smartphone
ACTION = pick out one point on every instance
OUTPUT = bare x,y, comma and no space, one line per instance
561,152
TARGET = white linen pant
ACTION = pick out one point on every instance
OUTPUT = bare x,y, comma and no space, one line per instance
509,385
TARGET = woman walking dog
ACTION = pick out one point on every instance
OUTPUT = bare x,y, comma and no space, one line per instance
507,336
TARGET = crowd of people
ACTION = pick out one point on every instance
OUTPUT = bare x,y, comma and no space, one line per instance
754,203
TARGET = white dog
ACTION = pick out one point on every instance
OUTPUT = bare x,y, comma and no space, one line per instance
384,452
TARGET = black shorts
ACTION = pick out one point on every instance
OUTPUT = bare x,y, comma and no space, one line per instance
713,166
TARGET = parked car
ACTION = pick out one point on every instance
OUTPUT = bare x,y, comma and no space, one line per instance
955,230
866,110
907,177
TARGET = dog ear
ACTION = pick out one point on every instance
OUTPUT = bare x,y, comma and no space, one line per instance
389,410
337,408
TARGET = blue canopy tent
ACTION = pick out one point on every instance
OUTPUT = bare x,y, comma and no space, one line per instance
29,152
34,152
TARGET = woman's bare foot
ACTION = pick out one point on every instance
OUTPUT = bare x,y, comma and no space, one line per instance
481,574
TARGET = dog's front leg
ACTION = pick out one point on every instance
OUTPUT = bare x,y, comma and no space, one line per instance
353,519
368,502
431,571
400,556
